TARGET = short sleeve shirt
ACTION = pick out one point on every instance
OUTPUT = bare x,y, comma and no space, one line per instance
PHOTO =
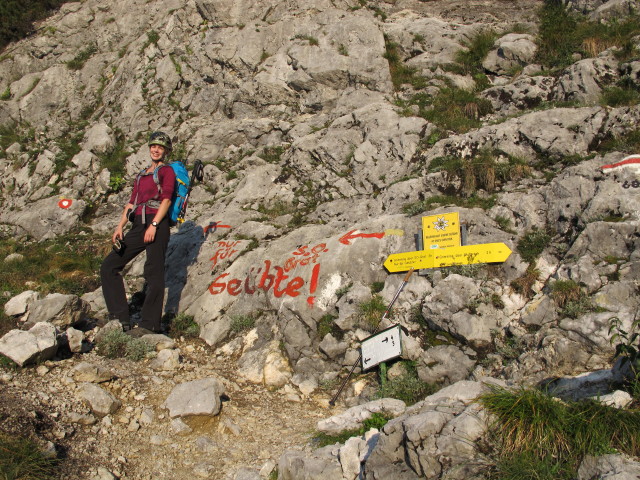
146,189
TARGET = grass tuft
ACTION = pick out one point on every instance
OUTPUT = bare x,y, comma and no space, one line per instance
370,313
22,459
544,438
377,421
242,323
183,325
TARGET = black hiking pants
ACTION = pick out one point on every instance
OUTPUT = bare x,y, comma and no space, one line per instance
113,283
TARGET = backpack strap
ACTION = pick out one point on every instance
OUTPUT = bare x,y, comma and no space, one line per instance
153,202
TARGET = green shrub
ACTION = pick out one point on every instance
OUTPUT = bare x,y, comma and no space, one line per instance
561,34
272,154
22,459
6,95
278,209
401,74
452,108
81,58
312,40
114,160
626,343
18,16
565,291
242,323
619,97
116,183
486,170
408,387
327,325
532,244
625,142
477,49
117,344
152,38
183,325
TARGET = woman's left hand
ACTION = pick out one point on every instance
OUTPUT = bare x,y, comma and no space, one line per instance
150,234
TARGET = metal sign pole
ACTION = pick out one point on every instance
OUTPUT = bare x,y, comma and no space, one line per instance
332,402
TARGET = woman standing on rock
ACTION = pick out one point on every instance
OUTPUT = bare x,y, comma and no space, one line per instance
147,209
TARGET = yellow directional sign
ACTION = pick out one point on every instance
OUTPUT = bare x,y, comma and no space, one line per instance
441,231
445,257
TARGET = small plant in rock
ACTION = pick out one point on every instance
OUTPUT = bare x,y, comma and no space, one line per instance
327,325
272,154
619,97
524,284
152,39
183,325
342,291
22,459
376,420
430,203
624,142
571,299
401,74
565,291
626,342
7,363
370,313
117,344
6,95
532,244
81,58
116,183
242,323
476,50
312,40
114,160
407,387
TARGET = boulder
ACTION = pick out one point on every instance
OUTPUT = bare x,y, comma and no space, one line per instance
61,310
100,401
197,397
19,304
37,344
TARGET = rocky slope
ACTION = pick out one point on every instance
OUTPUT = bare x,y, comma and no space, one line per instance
319,163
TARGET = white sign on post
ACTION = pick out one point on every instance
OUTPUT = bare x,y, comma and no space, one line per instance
381,347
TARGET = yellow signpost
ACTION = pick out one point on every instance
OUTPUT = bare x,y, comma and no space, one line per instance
445,257
441,231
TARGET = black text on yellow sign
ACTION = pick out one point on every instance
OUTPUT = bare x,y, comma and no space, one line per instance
441,231
445,257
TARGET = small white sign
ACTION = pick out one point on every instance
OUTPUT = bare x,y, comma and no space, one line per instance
381,347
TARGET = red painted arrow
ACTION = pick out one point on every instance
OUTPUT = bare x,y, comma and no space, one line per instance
347,237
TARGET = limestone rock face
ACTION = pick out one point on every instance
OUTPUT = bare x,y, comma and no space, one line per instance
327,131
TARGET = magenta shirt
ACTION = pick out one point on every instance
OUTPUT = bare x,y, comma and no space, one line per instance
148,190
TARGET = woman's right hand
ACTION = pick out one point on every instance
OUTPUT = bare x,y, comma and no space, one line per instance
117,235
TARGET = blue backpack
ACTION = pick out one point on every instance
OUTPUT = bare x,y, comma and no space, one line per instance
180,192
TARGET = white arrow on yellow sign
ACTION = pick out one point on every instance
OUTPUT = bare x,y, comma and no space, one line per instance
445,257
